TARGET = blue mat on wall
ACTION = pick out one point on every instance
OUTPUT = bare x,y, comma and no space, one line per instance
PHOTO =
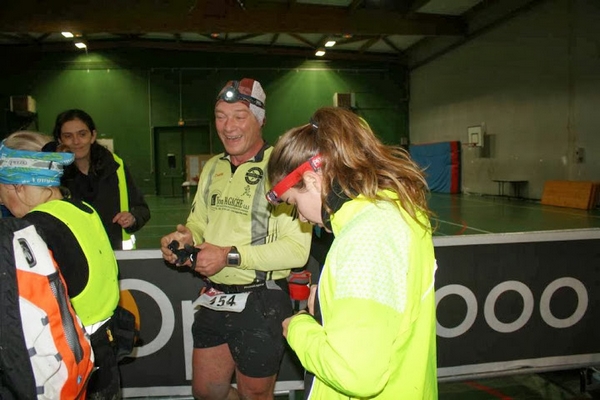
441,162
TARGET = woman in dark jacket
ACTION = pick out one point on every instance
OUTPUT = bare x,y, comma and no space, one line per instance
101,178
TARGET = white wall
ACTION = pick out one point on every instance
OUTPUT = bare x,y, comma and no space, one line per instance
533,82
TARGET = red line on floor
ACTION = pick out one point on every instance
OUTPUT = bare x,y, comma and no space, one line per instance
464,227
497,394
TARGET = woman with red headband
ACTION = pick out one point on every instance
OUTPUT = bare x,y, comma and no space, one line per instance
370,329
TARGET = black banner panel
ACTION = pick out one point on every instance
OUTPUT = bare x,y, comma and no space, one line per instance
505,303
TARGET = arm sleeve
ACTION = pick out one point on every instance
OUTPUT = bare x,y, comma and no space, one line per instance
352,353
137,205
287,245
365,317
289,250
198,217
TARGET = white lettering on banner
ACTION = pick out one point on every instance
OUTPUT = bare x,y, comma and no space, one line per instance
471,301
528,304
490,304
582,302
187,318
166,311
187,310
167,322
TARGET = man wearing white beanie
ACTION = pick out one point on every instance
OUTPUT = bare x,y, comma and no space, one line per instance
246,251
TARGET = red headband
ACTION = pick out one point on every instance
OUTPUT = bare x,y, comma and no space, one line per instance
274,195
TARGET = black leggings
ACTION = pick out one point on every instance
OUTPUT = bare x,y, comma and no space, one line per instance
105,382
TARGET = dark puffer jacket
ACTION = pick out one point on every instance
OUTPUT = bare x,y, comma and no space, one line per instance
100,188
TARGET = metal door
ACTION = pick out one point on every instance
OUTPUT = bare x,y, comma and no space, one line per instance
172,144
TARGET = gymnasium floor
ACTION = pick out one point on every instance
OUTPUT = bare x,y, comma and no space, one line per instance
456,215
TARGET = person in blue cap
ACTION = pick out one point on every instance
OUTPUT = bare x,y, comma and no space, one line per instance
30,189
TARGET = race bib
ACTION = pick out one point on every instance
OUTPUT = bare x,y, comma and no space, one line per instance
219,301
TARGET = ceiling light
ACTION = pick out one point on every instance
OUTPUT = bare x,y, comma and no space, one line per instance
320,53
67,34
80,45
330,43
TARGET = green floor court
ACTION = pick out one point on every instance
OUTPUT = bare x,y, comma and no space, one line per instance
455,215
472,214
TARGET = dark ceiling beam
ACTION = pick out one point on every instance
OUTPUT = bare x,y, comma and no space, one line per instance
10,38
138,16
354,5
414,5
129,35
353,39
41,38
247,3
368,44
322,41
391,44
303,40
212,38
218,47
241,4
244,37
496,18
274,39
278,50
27,37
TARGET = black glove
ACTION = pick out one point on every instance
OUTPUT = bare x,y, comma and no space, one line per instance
188,252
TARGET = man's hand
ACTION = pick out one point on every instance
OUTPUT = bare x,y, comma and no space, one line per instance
211,259
185,254
183,235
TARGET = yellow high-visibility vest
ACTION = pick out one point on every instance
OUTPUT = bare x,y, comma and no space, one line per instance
99,298
128,239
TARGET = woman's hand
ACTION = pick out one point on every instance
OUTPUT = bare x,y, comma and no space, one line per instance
125,219
311,299
286,323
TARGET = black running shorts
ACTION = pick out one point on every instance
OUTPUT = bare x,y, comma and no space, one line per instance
254,336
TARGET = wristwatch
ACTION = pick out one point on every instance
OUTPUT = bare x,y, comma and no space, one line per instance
233,257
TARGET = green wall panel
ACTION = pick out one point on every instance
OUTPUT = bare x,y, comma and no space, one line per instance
132,93
117,100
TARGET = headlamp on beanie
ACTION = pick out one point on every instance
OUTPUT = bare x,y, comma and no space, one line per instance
231,94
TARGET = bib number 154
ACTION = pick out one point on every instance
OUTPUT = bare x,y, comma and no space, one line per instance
219,301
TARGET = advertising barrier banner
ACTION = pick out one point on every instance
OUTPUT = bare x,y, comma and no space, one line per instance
505,303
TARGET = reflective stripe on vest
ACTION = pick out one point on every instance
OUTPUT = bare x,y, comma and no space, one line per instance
128,239
99,298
